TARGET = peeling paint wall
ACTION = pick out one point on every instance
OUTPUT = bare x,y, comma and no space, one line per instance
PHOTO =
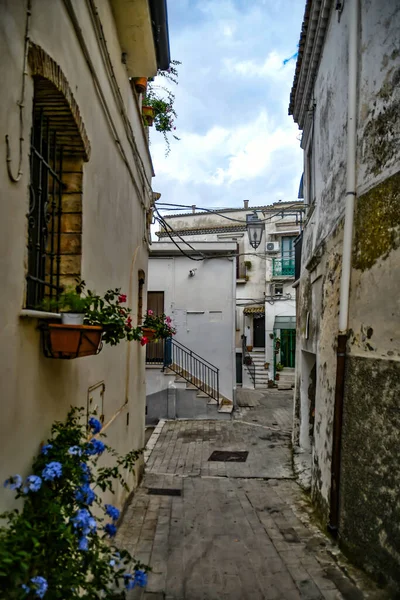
374,340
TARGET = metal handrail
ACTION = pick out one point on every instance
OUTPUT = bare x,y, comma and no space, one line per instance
192,367
250,367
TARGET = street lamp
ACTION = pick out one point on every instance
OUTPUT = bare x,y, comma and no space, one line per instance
255,229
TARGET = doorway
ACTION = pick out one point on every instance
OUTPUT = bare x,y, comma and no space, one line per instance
259,331
239,372
288,347
155,350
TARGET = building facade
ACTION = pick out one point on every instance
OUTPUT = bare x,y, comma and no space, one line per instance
345,99
265,300
199,296
75,191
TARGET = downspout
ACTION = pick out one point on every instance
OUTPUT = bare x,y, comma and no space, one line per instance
346,266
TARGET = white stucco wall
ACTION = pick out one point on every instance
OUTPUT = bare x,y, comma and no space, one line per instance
202,307
36,390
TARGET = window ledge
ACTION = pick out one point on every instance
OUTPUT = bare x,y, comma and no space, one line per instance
38,314
241,280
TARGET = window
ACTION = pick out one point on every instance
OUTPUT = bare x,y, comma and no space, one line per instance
278,289
310,173
45,213
59,146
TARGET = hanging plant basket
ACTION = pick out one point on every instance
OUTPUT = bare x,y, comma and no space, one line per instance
149,333
248,361
148,113
140,84
71,341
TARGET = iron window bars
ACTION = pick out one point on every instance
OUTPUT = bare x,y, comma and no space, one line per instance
45,211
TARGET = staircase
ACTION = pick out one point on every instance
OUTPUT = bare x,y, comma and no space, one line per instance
286,379
192,385
261,374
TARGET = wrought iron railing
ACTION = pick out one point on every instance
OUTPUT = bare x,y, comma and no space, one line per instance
283,267
248,361
193,368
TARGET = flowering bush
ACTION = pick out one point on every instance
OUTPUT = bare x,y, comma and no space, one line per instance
55,547
161,324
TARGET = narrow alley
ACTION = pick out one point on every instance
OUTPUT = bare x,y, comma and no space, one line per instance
232,527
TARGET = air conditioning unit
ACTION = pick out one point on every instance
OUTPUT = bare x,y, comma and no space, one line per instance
273,246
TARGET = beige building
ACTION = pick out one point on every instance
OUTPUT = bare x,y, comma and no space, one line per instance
345,99
75,193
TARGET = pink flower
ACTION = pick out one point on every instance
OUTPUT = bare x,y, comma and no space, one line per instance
128,323
122,298
168,320
150,313
144,341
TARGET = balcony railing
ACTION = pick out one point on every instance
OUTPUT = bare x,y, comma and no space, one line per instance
283,267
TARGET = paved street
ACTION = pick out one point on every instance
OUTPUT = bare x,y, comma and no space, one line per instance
232,530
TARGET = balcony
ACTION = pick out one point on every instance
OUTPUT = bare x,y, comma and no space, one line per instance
284,266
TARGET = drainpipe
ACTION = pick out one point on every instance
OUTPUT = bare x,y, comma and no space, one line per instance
346,265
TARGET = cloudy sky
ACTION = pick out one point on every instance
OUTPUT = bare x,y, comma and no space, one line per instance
237,140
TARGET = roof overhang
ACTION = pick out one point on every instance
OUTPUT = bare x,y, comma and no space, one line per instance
254,310
142,27
315,23
207,249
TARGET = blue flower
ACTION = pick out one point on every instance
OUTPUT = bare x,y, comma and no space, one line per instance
52,471
46,448
114,561
110,529
112,511
139,578
14,482
85,494
84,521
39,587
75,451
83,543
95,425
33,484
95,447
86,473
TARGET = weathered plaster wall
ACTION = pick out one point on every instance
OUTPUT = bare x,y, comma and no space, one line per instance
374,306
370,489
36,390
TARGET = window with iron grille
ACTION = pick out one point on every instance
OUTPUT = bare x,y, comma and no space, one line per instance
45,212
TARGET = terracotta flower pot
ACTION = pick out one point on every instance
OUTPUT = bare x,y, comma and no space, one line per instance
148,115
140,84
149,333
71,341
249,348
277,377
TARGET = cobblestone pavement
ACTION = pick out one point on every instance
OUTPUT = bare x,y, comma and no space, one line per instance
232,531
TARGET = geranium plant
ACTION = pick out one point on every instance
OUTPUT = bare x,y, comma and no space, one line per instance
161,325
56,546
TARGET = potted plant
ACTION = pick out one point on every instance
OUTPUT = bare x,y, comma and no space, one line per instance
271,383
279,366
249,348
104,320
157,327
248,265
158,105
248,361
276,376
140,84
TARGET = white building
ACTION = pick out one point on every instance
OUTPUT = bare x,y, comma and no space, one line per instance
265,300
198,292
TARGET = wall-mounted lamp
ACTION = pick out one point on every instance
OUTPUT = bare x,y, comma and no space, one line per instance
255,229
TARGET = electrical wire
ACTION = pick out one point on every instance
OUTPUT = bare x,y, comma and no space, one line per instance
214,211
